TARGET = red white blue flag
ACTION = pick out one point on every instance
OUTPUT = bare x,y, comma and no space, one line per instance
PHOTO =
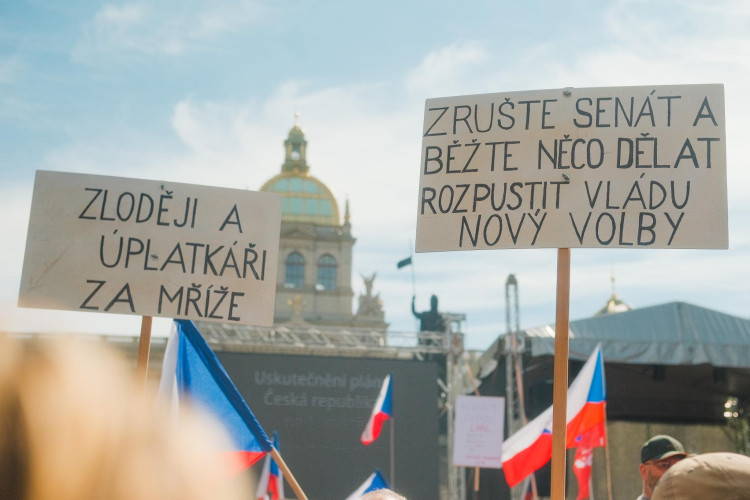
373,483
382,411
593,438
192,370
531,447
271,482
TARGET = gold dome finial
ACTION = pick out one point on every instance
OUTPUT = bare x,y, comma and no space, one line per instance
613,305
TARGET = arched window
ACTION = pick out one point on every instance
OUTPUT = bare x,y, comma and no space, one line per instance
326,273
295,270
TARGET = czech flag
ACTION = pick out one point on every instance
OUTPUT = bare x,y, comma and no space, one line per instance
271,483
593,438
192,370
382,411
374,482
531,447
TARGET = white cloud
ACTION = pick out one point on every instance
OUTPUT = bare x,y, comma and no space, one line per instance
167,28
205,128
444,71
119,18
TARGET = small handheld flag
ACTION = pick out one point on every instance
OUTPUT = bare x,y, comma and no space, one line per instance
191,369
594,437
373,483
271,482
382,411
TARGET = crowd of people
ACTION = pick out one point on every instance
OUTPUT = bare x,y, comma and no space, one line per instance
668,472
75,425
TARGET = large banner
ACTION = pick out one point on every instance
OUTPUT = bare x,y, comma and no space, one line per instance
626,167
131,246
320,405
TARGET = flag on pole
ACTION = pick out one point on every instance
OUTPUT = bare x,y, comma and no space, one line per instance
528,449
271,482
374,482
582,470
531,447
594,437
382,411
192,370
403,263
528,490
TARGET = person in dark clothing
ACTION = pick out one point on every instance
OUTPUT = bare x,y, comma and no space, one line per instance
431,320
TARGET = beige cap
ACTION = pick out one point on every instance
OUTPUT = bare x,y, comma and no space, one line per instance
710,476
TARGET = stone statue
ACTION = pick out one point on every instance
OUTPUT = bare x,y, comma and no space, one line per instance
296,304
370,305
368,283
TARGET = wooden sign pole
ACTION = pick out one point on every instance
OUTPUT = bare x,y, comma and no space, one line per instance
560,387
144,346
393,455
288,475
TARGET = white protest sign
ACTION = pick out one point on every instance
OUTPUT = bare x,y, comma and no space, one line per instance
626,167
478,435
131,246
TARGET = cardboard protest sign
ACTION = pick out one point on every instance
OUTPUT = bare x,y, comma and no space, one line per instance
478,436
131,246
625,167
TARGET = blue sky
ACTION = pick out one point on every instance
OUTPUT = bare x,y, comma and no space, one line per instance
205,93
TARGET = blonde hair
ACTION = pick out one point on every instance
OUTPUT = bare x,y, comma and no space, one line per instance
74,425
382,494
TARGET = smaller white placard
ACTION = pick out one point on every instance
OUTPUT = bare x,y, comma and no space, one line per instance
478,431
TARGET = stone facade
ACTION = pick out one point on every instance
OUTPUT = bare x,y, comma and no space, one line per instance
314,279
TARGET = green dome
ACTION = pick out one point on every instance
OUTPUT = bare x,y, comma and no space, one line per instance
304,199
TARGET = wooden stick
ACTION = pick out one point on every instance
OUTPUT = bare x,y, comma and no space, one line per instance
144,346
288,475
476,393
560,387
606,455
393,455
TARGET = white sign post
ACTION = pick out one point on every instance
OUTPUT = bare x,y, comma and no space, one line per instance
621,167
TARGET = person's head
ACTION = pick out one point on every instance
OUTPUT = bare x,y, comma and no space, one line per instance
75,425
434,303
383,494
709,476
658,454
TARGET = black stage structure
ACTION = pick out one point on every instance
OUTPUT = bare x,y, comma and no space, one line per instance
672,363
